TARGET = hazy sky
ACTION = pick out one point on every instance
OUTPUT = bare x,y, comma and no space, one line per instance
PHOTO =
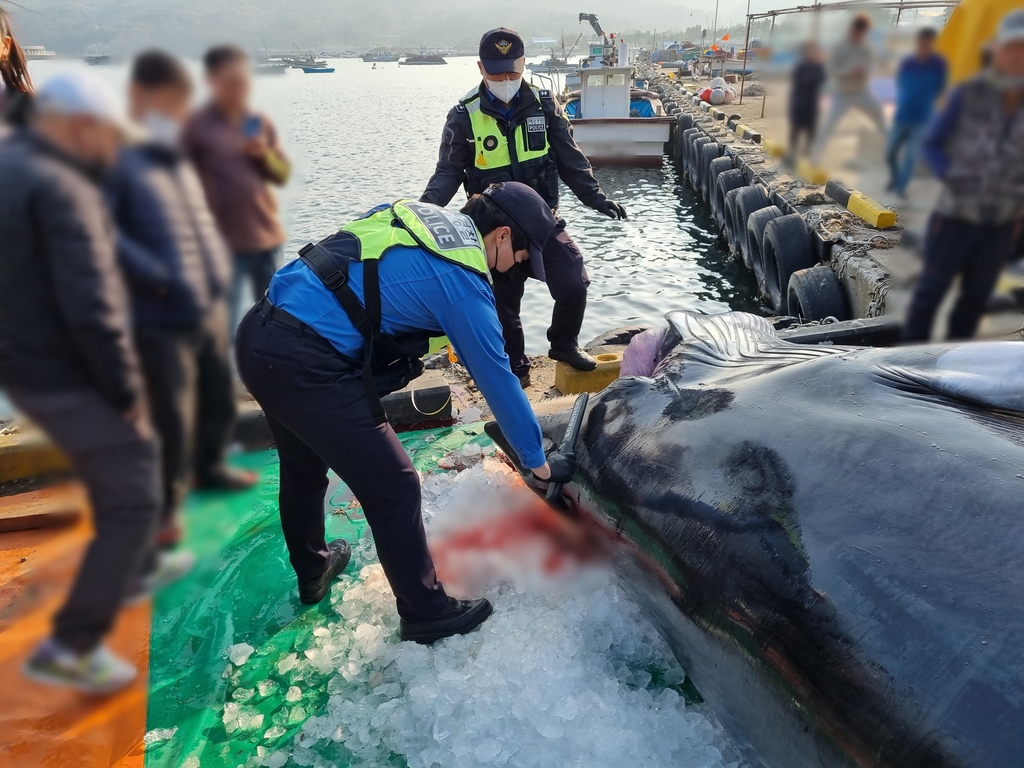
71,26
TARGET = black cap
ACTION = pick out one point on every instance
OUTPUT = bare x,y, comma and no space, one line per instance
500,49
530,213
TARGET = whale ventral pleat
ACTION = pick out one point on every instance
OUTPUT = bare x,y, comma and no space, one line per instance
728,341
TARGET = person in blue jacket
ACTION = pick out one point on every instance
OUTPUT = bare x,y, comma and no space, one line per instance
919,82
347,321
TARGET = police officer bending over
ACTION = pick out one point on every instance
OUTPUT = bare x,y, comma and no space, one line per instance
400,274
506,129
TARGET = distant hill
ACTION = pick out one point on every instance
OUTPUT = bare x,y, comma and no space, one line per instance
75,27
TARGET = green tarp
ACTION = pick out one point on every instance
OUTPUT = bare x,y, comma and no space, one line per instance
243,590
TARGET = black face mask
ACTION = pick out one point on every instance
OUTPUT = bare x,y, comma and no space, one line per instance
501,278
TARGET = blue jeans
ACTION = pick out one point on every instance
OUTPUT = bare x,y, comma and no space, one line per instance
907,137
259,267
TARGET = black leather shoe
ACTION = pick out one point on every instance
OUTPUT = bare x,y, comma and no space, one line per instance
316,590
524,380
459,618
575,357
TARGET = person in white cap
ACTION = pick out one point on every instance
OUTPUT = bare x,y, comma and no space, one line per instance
976,147
67,362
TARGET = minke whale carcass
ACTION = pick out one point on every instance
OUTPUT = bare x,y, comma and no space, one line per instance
841,534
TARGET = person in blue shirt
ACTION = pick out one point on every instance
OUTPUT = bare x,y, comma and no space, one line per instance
302,353
920,80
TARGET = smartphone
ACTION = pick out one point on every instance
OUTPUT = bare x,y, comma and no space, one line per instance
251,127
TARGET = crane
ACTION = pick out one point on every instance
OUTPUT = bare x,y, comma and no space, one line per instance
592,18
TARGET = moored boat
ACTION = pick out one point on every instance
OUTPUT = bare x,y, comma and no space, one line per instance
423,60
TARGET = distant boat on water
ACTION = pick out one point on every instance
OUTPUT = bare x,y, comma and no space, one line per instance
381,55
96,61
317,70
270,67
422,60
33,52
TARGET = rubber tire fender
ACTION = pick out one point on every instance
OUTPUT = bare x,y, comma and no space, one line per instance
685,122
785,249
750,199
726,182
695,155
715,168
730,221
815,293
684,148
708,154
755,239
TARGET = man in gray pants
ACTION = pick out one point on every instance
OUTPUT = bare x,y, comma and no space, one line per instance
849,68
67,362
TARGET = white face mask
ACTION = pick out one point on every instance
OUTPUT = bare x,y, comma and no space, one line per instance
504,90
162,129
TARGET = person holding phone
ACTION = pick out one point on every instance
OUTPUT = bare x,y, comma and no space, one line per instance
239,158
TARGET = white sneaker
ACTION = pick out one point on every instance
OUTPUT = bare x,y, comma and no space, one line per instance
97,672
171,565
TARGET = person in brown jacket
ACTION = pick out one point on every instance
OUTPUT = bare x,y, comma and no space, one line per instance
239,157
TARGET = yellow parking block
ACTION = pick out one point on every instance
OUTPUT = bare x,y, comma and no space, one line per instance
569,381
874,213
774,148
811,173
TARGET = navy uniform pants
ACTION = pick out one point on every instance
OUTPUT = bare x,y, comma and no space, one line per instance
319,417
975,252
567,282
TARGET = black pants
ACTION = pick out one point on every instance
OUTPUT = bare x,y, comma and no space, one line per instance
192,401
117,460
802,123
975,252
318,414
567,282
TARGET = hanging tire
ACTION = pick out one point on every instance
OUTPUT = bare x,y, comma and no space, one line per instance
785,249
715,168
708,154
749,199
726,182
730,221
696,152
684,148
755,239
685,122
814,294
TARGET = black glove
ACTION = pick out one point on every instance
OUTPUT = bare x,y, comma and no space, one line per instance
562,466
611,208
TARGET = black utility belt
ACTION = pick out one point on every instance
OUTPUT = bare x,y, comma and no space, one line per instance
269,312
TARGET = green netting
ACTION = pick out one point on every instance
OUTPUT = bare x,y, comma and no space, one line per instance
243,590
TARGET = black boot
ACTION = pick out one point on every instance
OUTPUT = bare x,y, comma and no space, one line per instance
566,321
575,357
459,618
316,590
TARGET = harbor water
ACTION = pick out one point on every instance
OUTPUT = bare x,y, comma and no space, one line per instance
362,136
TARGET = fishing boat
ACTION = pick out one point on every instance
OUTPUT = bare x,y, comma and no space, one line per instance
33,52
270,67
614,121
421,59
553,65
97,61
381,55
306,61
318,70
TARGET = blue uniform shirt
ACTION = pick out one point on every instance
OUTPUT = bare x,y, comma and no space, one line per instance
420,292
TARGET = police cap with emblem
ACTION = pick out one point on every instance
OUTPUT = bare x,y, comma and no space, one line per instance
500,51
530,213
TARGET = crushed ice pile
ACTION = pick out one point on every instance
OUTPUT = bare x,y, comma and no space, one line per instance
566,672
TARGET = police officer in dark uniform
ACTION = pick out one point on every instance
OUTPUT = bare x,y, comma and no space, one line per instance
506,130
348,321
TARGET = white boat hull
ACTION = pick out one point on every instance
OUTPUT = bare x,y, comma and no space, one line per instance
622,140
